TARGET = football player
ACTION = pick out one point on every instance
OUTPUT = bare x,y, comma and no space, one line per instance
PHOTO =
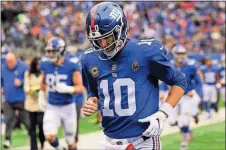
121,77
62,79
211,78
188,105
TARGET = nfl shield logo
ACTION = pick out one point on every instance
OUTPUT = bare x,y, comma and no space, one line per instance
113,67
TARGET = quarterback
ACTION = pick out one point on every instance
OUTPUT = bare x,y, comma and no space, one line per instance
121,76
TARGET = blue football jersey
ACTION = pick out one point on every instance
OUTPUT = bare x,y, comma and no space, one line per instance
55,74
192,77
210,74
127,85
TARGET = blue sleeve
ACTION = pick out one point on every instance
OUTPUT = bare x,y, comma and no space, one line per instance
88,81
75,67
24,68
75,63
41,66
163,69
198,83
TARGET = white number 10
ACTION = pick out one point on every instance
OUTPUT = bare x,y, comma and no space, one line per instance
118,99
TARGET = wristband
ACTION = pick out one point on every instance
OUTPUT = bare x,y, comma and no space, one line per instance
166,108
70,89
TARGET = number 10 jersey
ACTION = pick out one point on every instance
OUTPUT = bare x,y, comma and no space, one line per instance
127,85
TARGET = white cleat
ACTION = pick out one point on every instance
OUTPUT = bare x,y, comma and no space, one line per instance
7,144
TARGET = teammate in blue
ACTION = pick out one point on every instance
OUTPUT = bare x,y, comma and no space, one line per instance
188,105
121,77
211,77
62,79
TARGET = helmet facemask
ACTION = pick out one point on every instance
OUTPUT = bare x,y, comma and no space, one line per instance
180,57
53,55
55,49
111,43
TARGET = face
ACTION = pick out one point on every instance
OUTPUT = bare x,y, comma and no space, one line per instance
106,43
11,63
209,62
52,55
179,57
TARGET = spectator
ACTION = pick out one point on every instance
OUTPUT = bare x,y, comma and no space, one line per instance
193,24
12,87
32,82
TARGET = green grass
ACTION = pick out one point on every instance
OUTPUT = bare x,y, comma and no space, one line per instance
221,103
87,125
211,137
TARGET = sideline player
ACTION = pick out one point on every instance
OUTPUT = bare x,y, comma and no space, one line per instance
121,77
211,78
62,78
189,103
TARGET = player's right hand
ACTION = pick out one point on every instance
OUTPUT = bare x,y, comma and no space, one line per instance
90,106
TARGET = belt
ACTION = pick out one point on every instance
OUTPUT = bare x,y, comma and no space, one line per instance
134,141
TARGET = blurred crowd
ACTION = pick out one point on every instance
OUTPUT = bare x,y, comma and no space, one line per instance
199,26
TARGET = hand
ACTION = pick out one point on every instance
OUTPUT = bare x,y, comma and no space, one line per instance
218,85
17,82
90,106
156,126
64,88
222,81
2,91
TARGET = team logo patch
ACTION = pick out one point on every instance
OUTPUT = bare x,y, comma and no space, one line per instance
135,66
114,67
95,71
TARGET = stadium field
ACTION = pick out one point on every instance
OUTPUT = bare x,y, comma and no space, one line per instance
210,137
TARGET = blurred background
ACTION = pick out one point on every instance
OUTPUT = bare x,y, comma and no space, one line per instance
198,26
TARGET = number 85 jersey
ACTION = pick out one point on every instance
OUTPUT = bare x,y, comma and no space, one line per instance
58,74
127,85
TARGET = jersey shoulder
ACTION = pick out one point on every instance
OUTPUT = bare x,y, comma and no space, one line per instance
74,60
88,55
44,63
192,67
22,65
191,61
203,67
151,47
72,63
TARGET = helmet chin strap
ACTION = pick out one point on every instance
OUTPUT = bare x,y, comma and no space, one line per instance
112,53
